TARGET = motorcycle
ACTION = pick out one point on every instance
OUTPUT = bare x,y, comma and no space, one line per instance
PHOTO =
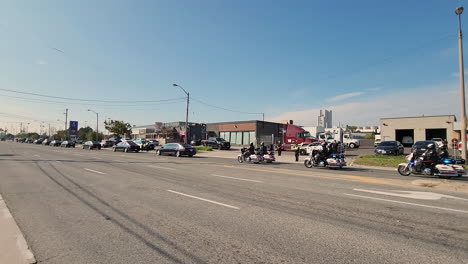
316,159
269,157
247,157
419,166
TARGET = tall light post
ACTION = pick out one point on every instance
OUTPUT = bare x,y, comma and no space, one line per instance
459,11
97,123
186,115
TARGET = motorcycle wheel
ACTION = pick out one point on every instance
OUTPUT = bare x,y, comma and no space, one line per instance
240,159
404,170
308,163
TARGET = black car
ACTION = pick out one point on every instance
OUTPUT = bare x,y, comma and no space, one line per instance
421,146
217,142
126,146
154,142
55,143
176,149
46,142
38,141
91,145
68,144
389,148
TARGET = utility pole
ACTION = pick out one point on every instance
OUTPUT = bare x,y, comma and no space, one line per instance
459,11
66,120
186,114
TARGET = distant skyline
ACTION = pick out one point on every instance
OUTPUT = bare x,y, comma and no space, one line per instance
362,60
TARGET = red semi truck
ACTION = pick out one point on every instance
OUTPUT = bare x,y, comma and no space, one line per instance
293,134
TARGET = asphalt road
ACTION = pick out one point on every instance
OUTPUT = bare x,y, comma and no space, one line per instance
81,206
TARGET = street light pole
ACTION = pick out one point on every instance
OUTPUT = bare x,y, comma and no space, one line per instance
459,11
186,114
97,123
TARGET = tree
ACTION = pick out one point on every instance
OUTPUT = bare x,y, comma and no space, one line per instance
61,134
83,131
92,136
370,136
351,128
118,128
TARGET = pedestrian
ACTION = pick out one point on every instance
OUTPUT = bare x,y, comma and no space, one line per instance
280,148
296,152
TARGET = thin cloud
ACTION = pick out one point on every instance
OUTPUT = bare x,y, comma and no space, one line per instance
41,62
375,89
369,111
344,96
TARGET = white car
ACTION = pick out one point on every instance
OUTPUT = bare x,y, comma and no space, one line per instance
439,141
307,149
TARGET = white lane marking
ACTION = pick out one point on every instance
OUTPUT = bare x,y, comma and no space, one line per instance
240,179
58,161
97,157
203,199
94,171
415,204
36,156
413,195
159,167
117,160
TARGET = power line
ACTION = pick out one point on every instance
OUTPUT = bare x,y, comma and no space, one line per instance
174,100
226,109
80,99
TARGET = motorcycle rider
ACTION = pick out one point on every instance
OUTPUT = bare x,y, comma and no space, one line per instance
333,147
444,154
263,149
431,155
251,148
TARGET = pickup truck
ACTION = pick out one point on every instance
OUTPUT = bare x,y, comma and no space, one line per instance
216,142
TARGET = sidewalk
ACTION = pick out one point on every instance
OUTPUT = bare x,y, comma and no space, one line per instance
13,246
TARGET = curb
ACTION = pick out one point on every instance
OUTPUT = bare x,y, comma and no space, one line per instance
13,245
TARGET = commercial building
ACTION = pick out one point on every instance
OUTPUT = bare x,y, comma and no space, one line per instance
170,132
325,118
408,130
246,132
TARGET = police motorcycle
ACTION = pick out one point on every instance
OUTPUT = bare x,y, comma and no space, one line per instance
246,156
319,159
443,168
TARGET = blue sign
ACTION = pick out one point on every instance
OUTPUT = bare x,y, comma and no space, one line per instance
73,129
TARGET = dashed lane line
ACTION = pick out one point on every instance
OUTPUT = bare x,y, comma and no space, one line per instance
205,200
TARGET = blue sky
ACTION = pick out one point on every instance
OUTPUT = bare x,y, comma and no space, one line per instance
362,59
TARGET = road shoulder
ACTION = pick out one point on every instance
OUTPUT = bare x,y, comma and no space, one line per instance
13,245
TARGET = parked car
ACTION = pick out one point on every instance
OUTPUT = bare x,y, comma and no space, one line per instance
29,141
176,149
38,141
154,142
421,146
377,142
307,149
68,144
55,143
91,145
107,143
126,146
439,141
46,142
216,142
390,148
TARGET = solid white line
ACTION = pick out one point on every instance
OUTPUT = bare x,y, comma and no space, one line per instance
422,205
153,166
36,156
240,179
206,200
94,171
